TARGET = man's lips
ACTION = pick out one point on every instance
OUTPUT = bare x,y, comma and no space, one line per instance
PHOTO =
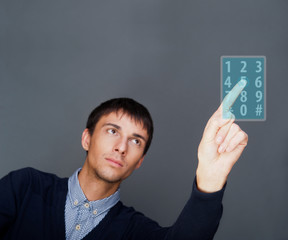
115,162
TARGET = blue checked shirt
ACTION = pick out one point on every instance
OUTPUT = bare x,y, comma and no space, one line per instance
81,216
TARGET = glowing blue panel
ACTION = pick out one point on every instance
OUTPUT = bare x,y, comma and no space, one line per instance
251,103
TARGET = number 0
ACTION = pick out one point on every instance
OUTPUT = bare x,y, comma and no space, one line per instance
243,110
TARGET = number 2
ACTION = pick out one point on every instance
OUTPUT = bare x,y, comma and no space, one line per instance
243,69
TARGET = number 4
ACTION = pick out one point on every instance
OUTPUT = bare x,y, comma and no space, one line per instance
228,82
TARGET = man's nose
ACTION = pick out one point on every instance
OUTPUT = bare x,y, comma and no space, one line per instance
121,146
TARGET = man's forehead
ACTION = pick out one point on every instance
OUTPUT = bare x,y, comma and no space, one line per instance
121,115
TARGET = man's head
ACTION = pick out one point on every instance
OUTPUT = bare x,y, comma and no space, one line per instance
116,139
126,106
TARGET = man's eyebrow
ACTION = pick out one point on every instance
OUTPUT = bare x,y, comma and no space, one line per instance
139,136
112,124
119,128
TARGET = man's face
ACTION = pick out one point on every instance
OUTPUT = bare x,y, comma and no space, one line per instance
116,147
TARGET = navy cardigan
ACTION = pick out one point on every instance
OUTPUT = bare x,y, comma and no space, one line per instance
32,207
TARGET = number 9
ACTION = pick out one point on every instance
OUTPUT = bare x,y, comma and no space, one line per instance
258,96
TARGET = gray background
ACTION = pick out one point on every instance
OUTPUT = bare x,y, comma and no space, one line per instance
59,59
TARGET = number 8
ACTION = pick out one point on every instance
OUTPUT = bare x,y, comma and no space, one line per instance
243,96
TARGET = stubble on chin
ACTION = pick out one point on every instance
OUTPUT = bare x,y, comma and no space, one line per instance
107,176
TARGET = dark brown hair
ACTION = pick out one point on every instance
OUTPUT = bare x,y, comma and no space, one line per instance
128,106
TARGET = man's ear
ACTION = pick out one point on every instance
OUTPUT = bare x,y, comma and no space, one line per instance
140,162
86,139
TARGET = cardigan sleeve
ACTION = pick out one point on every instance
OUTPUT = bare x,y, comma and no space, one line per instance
12,186
198,220
200,217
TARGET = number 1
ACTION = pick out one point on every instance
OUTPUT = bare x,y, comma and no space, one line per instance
228,66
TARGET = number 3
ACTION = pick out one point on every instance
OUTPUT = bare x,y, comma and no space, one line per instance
259,68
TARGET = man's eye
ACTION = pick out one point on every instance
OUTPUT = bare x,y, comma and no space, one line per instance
112,131
136,141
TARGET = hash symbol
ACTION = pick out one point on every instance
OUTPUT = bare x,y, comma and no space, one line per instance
258,110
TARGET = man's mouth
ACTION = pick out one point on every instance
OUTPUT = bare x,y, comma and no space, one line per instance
115,162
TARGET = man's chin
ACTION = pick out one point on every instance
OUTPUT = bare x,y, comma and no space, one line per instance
109,179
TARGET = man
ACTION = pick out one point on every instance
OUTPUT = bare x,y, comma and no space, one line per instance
37,205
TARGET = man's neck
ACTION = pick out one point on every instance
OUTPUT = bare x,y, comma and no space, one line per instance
94,188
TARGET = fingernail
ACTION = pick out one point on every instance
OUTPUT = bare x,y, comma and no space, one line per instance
242,83
219,140
220,149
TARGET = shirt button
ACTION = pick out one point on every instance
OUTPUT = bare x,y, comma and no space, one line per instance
86,205
78,227
76,202
95,212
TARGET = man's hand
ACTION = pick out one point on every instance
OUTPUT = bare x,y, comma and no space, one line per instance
221,145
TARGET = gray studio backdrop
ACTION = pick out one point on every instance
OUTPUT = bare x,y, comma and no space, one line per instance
59,59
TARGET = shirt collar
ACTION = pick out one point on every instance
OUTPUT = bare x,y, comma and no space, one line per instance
78,198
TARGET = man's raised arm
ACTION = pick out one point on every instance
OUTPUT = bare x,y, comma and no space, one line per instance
222,144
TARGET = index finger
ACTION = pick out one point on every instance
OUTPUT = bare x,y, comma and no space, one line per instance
223,116
233,95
